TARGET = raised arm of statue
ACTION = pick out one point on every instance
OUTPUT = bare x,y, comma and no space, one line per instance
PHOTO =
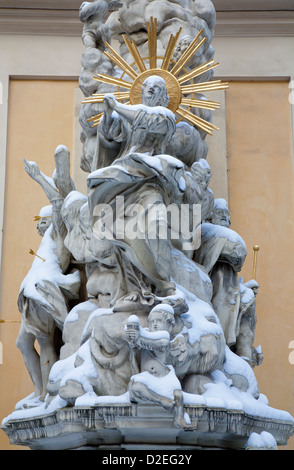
88,9
61,184
56,189
94,15
62,177
99,7
125,111
35,173
137,337
131,113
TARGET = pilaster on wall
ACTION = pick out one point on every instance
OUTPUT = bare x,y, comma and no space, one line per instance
79,176
241,18
217,154
4,80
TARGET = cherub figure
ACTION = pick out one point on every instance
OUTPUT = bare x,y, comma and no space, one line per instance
182,45
157,382
93,15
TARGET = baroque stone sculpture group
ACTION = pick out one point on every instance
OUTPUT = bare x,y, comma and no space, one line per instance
124,299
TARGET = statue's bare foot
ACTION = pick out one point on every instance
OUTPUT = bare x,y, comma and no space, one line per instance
133,302
180,422
179,413
33,403
132,297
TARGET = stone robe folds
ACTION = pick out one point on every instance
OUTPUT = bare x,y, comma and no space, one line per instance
139,231
149,132
45,292
223,253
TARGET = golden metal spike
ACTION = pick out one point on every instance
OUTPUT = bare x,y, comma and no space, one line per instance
204,86
212,84
35,254
189,56
152,42
38,217
112,80
204,89
135,53
255,249
186,56
192,52
115,93
199,89
198,71
203,104
10,321
168,54
115,57
196,120
96,123
193,121
170,50
98,98
178,64
95,118
121,65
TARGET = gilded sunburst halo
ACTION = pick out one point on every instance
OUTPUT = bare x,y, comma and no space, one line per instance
174,74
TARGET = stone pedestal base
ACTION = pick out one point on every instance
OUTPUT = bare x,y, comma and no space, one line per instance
141,427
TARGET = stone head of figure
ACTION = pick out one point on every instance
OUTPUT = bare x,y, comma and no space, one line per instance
252,284
45,220
182,45
154,92
220,213
201,172
179,348
161,318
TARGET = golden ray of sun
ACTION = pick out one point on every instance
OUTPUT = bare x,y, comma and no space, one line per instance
174,73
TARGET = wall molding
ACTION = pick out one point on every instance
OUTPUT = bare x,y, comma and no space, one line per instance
65,22
255,23
41,22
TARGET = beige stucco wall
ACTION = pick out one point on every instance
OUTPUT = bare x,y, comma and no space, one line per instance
41,117
261,200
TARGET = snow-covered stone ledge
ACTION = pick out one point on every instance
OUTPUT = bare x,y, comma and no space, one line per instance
132,426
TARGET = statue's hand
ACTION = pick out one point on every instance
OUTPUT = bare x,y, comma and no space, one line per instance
131,334
109,103
32,169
